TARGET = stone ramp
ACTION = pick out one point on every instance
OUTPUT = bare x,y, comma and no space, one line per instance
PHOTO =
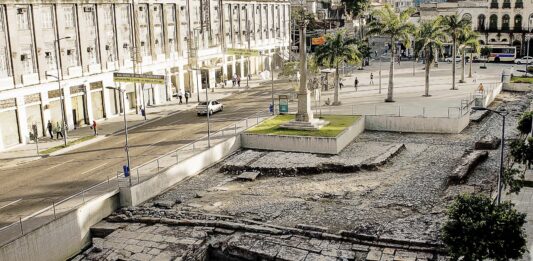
289,163
202,236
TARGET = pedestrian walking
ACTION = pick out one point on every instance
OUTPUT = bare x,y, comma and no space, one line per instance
59,130
94,128
187,95
475,76
399,59
234,80
341,85
355,83
50,129
371,79
239,81
180,96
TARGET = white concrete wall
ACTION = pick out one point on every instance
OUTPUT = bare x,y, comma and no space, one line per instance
135,195
64,237
322,145
416,124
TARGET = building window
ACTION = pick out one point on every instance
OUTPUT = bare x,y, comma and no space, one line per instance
519,4
505,22
493,24
69,16
47,22
494,4
23,22
4,68
481,22
26,59
506,4
518,22
49,56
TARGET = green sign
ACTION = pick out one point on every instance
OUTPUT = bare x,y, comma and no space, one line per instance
242,52
139,78
283,104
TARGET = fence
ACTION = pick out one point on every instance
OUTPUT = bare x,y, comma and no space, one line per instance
113,182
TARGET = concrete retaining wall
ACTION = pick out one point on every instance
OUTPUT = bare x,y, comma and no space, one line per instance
64,237
416,124
322,145
518,87
135,195
490,96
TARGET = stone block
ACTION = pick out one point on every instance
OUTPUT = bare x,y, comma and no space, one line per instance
134,248
291,254
468,163
266,250
164,256
248,176
318,257
374,255
165,204
141,257
387,257
487,142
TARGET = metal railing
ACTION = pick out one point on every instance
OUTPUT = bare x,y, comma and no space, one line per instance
142,172
158,165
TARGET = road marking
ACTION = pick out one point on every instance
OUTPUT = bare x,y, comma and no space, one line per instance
9,204
87,171
59,164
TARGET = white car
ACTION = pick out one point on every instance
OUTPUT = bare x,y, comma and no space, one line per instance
524,60
214,106
458,59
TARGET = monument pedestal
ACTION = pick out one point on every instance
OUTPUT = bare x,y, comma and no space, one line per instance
314,124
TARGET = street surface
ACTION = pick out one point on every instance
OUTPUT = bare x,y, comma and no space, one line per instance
35,185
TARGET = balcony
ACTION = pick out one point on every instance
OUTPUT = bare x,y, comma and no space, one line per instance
506,5
494,5
519,5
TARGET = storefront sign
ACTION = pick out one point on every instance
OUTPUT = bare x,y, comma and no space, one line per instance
96,86
77,89
32,98
242,52
139,78
9,103
318,40
53,94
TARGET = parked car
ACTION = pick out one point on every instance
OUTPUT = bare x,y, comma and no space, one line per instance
214,106
524,60
458,59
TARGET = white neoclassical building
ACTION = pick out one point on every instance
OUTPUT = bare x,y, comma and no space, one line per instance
85,42
500,22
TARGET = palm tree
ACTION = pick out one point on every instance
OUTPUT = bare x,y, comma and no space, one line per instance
429,41
396,27
454,25
467,39
336,50
475,47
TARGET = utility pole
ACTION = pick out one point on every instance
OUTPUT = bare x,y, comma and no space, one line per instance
61,97
249,48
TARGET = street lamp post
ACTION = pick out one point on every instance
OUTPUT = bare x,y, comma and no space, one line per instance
528,41
503,114
126,147
61,98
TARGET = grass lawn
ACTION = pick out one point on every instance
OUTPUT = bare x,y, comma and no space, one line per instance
518,79
337,123
69,143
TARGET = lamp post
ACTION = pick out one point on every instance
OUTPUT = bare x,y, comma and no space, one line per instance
528,40
126,147
58,77
206,109
503,114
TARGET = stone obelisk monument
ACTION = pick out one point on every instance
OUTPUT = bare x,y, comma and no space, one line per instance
304,118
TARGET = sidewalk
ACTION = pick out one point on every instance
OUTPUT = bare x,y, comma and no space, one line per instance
24,153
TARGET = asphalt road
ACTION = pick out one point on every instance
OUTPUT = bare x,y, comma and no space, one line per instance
33,186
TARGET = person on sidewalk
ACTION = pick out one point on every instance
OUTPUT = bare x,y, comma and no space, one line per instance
340,85
355,83
59,130
475,76
50,129
94,128
180,96
371,79
239,81
187,94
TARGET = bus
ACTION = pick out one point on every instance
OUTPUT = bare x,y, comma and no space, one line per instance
502,54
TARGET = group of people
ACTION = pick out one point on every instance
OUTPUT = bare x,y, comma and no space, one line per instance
356,82
236,80
58,130
187,96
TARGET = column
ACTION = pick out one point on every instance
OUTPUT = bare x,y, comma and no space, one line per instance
88,102
24,129
45,103
67,105
106,96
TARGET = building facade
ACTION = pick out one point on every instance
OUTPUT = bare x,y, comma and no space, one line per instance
85,43
499,22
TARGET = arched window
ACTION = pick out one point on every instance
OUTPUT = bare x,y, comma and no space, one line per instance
505,22
481,22
493,25
518,23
